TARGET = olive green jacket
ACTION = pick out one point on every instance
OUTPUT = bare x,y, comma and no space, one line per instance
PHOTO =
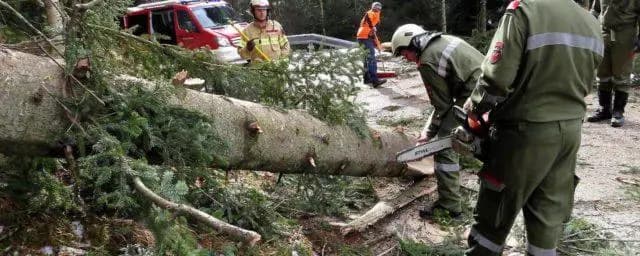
450,68
540,65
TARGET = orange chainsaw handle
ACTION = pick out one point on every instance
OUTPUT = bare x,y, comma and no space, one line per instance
471,122
478,126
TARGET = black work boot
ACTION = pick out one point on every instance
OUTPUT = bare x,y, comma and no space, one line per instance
619,102
367,78
377,84
604,111
430,213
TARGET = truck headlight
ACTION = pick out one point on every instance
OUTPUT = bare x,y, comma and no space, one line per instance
223,42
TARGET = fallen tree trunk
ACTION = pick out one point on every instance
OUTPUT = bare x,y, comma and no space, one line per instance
259,137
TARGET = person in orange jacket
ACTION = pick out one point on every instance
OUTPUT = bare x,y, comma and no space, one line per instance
367,37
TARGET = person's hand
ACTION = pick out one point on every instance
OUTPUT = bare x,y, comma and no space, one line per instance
468,105
251,45
423,139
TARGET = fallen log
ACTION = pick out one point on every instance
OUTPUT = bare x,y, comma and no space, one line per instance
239,234
387,207
259,137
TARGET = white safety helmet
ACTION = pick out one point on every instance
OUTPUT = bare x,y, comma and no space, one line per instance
376,6
403,35
259,4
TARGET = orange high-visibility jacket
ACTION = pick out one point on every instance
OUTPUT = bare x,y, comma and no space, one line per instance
368,22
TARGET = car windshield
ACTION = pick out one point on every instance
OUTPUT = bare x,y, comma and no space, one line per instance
215,16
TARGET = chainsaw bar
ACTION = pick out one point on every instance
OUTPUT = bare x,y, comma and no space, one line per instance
423,150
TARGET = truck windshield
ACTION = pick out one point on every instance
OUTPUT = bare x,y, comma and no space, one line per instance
215,16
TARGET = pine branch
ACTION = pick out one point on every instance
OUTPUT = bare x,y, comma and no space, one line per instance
23,19
17,14
87,6
246,236
72,76
67,111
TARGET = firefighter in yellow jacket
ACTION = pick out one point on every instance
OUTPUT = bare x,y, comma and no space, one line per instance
264,34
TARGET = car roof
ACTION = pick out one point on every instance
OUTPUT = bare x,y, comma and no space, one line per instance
164,4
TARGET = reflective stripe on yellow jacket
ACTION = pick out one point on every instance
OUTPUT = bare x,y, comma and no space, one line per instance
271,40
364,31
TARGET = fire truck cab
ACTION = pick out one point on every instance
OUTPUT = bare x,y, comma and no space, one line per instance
190,24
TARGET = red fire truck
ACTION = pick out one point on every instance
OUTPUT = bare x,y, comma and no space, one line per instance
191,24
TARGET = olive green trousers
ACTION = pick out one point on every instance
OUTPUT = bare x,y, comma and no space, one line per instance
617,63
531,167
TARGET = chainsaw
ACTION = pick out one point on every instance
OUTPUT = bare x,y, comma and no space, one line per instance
479,127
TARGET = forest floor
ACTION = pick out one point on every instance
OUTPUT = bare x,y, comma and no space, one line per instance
608,165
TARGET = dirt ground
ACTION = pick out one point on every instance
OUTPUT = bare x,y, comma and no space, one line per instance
606,154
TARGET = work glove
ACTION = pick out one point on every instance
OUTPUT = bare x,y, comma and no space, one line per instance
251,45
424,138
465,143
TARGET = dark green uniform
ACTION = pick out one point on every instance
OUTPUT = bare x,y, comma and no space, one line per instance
619,20
538,70
450,68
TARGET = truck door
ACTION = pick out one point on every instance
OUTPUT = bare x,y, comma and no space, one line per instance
189,34
163,24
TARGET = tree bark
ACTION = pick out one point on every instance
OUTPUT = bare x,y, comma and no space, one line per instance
32,123
54,18
482,17
324,31
443,11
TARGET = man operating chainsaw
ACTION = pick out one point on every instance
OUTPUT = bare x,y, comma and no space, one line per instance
540,66
450,68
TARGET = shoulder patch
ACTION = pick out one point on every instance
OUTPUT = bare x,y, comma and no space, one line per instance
514,5
496,54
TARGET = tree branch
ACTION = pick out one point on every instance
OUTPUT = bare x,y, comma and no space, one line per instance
23,19
87,6
385,208
7,6
246,236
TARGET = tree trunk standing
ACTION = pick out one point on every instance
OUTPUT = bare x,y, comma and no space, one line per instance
443,4
54,18
324,31
31,121
356,10
482,17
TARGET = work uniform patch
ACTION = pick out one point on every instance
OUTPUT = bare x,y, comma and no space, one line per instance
496,54
514,5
